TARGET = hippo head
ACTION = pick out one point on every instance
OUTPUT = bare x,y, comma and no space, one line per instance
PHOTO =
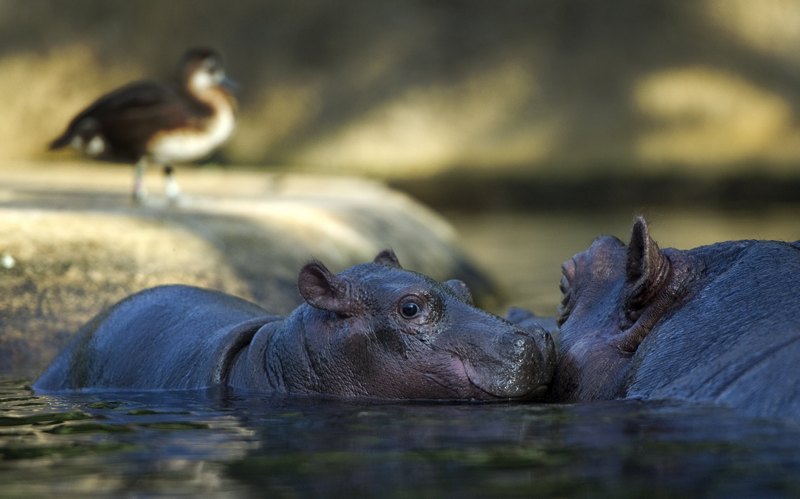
379,331
612,296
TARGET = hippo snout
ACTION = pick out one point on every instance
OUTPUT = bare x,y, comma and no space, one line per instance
522,369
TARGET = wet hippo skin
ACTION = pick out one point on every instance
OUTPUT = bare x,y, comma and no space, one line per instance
373,331
717,324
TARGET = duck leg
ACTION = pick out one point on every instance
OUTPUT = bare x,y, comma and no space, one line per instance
139,192
171,188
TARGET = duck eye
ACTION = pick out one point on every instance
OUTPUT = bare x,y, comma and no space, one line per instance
409,309
210,65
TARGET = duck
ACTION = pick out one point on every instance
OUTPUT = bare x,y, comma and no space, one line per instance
146,121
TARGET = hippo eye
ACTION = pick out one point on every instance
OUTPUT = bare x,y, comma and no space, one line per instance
410,307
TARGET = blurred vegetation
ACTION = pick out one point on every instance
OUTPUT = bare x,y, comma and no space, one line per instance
547,102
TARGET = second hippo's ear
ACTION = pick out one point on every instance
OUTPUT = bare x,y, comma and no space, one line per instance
647,269
388,258
323,290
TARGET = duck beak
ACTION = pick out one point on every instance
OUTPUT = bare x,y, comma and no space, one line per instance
229,84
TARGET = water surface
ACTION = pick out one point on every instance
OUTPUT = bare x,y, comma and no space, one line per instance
188,444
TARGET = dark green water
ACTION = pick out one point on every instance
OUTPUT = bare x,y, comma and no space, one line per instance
190,444
173,444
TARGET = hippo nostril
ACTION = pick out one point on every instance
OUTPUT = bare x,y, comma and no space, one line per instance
521,334
539,344
524,341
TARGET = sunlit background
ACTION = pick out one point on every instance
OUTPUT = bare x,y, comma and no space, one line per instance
471,106
422,88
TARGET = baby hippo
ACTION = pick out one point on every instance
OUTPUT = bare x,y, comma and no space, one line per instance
717,324
375,331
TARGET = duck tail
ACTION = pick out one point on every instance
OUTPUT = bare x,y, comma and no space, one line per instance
61,141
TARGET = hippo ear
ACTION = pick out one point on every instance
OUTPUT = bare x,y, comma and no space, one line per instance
388,258
647,269
461,290
323,290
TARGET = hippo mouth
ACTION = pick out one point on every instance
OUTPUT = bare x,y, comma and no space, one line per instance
505,388
523,372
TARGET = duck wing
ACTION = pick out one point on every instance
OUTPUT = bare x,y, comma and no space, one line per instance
128,117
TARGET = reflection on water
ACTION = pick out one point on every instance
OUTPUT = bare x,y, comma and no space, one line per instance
178,444
187,444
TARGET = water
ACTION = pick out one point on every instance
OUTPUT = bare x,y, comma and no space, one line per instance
179,444
190,444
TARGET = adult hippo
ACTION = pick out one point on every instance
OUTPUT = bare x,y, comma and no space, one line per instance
715,324
373,331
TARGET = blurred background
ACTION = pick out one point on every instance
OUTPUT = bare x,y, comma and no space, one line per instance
598,109
411,90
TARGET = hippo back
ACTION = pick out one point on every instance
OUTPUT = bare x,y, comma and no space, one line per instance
737,340
168,337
